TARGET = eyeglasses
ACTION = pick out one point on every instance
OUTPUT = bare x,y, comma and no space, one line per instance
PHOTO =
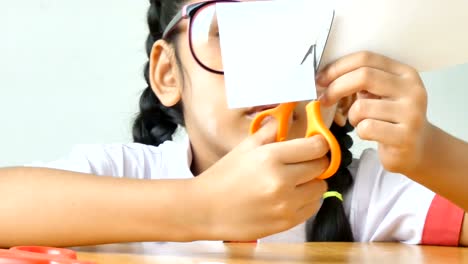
203,33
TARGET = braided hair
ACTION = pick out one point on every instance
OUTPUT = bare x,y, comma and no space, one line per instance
155,124
331,223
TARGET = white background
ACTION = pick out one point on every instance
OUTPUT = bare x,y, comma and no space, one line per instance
71,72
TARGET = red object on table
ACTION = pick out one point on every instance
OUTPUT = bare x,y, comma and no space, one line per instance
39,255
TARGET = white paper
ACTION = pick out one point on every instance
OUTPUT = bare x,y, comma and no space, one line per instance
263,44
425,34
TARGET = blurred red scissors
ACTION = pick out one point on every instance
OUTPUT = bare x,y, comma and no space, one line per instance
39,255
315,125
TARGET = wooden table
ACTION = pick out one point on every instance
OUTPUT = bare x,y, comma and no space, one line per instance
318,253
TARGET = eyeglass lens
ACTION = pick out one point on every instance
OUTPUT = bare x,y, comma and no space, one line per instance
204,37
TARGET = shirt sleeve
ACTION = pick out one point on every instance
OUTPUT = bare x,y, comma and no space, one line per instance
133,160
443,224
389,207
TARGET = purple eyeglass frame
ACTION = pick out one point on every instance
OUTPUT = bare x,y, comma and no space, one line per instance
187,12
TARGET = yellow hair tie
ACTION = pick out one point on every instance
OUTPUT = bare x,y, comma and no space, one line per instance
333,194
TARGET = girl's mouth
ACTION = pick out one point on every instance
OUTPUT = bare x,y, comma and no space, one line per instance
251,113
254,111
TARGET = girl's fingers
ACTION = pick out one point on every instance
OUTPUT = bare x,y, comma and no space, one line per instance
265,135
372,80
383,110
359,60
298,150
382,132
308,210
306,171
311,191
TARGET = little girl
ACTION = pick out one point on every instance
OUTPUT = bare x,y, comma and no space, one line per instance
218,183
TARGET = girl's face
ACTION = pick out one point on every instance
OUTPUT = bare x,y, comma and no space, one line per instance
214,130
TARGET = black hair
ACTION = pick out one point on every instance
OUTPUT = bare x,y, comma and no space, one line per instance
331,222
156,123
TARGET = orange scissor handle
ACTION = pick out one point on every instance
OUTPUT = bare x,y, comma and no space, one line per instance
51,251
39,255
281,113
316,126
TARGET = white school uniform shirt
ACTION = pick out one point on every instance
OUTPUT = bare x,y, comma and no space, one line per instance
381,206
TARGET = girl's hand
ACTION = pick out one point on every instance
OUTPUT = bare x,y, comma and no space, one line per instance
390,106
260,189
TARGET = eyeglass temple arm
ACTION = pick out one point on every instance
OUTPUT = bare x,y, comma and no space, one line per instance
184,13
179,16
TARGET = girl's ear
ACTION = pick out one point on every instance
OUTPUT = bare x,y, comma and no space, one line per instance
341,115
163,74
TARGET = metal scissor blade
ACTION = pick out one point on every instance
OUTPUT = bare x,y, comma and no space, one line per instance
322,40
309,52
312,53
318,48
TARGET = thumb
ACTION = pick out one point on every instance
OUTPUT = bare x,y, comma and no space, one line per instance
265,135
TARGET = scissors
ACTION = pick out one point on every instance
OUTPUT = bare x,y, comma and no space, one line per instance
315,125
39,255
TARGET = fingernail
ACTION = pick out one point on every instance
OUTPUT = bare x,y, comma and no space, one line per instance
320,78
323,98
